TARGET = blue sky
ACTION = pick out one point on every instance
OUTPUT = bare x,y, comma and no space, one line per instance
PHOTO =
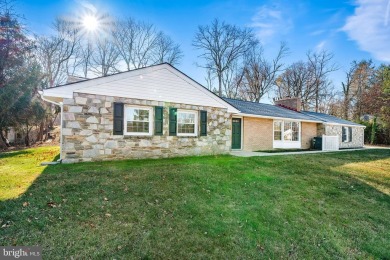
352,30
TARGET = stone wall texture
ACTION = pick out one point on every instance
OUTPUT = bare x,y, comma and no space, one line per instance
357,136
258,134
88,132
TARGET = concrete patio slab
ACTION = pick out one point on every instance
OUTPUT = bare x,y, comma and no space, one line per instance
254,154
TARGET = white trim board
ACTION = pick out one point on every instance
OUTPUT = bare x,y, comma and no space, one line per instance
276,118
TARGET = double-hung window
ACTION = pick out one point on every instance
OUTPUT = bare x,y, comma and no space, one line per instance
278,130
187,123
138,120
286,131
346,134
291,131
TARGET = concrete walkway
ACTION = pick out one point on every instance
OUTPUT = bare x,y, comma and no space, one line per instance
252,154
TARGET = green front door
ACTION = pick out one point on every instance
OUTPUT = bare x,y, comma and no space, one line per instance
236,133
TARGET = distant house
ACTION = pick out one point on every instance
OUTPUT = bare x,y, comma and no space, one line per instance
158,111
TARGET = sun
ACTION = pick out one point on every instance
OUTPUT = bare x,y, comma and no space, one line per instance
90,23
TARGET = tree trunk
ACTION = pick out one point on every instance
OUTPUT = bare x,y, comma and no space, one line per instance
317,97
373,132
346,108
27,137
4,139
40,133
220,84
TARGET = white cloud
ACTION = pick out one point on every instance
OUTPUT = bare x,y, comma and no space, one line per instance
369,27
270,21
320,46
317,32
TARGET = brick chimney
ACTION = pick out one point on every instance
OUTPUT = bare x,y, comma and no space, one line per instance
292,103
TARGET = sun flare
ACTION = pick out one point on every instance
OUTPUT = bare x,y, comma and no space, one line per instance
90,23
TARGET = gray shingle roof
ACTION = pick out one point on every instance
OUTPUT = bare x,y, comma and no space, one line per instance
261,109
330,119
253,108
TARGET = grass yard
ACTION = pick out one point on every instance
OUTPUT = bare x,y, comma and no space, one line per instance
333,205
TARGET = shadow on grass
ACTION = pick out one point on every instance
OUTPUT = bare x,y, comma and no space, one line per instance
8,154
204,207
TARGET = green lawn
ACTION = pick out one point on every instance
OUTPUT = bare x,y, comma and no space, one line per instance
333,205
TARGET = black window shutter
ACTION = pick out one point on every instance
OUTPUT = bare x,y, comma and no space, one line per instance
203,123
344,134
118,118
172,121
158,120
350,134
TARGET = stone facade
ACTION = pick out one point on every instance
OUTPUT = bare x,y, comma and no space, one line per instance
357,136
88,132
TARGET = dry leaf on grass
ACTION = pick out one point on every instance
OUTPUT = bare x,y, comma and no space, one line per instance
51,204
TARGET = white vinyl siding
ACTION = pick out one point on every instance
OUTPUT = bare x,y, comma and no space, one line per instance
158,83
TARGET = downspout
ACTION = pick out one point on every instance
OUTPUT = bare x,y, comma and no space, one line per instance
61,118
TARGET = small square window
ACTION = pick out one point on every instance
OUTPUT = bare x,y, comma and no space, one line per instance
187,123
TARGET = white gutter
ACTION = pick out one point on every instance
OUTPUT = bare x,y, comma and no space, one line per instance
337,124
61,117
275,117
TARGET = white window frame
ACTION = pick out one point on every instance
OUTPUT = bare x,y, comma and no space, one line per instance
286,143
281,130
151,117
196,122
299,131
347,134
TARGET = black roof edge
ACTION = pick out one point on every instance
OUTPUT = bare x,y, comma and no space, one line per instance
253,102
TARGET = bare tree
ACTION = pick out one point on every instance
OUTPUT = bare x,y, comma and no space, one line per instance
320,65
135,42
232,81
105,58
54,52
327,101
221,45
139,44
209,81
166,50
85,55
308,80
259,74
347,93
293,83
362,79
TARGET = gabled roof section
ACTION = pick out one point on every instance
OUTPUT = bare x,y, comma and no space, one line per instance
160,82
268,111
330,119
